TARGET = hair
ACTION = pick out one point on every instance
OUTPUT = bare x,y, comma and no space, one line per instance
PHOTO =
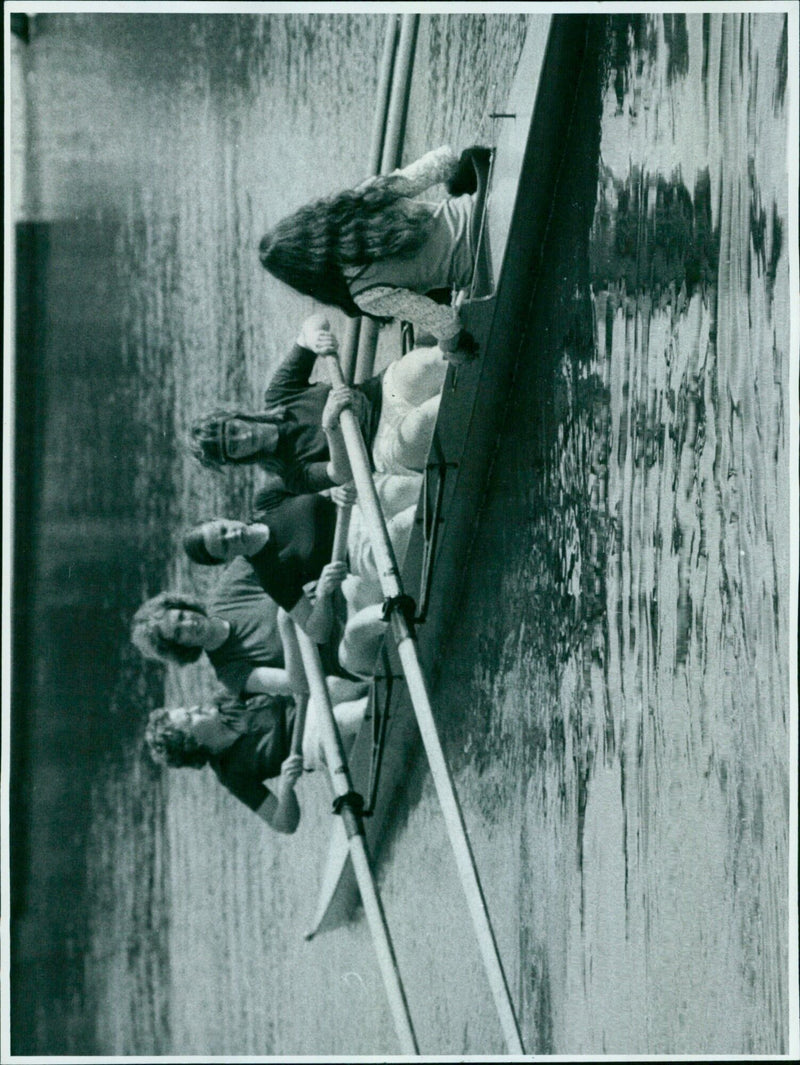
146,632
206,440
195,547
171,745
309,249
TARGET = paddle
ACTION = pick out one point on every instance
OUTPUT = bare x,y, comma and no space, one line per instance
399,611
346,803
301,706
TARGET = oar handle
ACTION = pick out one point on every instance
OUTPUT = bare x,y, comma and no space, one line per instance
339,552
301,702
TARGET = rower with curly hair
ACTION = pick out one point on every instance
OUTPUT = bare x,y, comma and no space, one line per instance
249,742
379,251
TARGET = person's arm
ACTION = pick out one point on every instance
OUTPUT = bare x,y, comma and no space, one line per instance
282,812
317,620
444,323
295,671
385,301
339,399
343,495
291,377
432,168
269,680
311,477
272,492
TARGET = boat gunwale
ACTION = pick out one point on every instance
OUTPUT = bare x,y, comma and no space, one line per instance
491,321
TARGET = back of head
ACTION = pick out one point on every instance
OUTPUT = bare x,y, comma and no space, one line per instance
305,266
146,634
308,249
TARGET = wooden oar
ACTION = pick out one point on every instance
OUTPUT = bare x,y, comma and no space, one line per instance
400,610
347,805
383,161
394,82
349,348
386,106
301,705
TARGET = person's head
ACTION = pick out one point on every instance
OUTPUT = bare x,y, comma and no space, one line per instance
233,437
221,539
170,627
309,249
171,735
185,737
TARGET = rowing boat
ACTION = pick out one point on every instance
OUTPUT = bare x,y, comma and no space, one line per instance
529,137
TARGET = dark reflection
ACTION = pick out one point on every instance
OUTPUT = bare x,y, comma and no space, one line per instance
651,232
676,39
631,39
782,67
81,561
536,995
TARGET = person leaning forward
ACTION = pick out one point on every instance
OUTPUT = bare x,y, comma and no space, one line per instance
236,627
249,745
289,439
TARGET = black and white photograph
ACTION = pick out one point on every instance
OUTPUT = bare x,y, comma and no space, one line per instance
478,323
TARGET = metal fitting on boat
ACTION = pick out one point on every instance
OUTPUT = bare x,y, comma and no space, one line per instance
405,606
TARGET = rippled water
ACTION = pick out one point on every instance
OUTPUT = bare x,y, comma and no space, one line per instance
188,136
622,723
619,728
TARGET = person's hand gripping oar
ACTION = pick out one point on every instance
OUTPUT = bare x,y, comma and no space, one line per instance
341,397
292,766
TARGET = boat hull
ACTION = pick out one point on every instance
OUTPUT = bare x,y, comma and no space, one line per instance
529,155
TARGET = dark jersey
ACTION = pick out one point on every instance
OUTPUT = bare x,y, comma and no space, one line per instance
302,455
300,542
256,757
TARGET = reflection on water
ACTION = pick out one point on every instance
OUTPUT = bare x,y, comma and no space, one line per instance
182,139
619,728
630,717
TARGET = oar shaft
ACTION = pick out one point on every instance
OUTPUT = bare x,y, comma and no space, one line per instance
352,333
388,160
350,346
341,785
367,496
385,82
299,723
407,649
339,551
456,830
400,91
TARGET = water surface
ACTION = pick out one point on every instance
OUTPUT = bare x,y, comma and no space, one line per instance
615,698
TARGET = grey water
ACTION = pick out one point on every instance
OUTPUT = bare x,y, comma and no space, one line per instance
615,696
